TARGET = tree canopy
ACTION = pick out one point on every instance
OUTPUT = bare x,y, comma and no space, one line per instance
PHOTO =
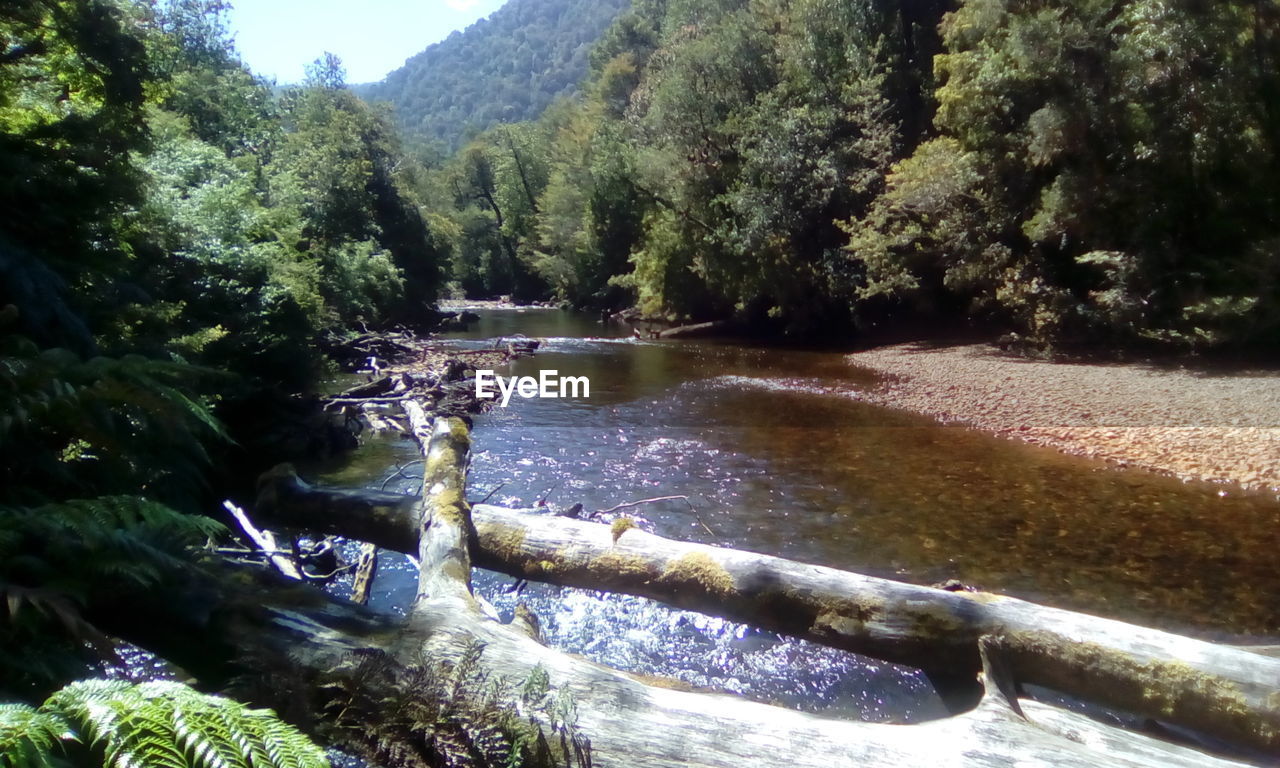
1079,173
176,237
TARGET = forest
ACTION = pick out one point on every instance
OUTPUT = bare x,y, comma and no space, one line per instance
179,245
186,250
506,68
1090,174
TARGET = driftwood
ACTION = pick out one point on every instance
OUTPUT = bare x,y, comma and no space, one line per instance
236,620
372,400
1223,691
695,331
380,386
628,723
265,542
366,572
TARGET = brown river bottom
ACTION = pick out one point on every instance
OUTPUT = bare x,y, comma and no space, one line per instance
779,452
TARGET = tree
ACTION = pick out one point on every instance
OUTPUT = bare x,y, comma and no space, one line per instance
756,125
1112,175
72,82
352,177
326,72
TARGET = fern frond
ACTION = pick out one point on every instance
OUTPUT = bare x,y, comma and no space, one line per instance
115,536
31,738
169,725
72,427
430,714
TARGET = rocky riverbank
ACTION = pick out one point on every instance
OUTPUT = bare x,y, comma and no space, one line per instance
1197,425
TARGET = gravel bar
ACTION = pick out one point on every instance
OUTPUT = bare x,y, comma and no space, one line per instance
1196,425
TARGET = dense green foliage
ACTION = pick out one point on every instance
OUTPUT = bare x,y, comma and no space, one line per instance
54,559
506,68
175,236
115,724
178,236
164,202
1078,172
75,428
1101,169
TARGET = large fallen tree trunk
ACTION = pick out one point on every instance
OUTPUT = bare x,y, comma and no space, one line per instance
294,634
1218,690
365,671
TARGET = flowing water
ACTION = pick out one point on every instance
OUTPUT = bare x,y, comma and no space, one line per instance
776,453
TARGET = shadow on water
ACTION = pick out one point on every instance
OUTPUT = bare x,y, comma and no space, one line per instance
777,454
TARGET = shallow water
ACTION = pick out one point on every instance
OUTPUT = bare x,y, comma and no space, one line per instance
776,453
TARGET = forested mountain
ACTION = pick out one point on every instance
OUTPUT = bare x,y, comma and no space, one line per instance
506,68
1080,172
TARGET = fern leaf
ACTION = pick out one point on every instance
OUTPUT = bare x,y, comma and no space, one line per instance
168,725
30,738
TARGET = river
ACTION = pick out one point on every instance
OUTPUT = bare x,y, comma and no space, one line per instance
776,453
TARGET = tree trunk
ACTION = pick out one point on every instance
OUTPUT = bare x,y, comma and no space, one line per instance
697,330
444,572
255,619
1222,691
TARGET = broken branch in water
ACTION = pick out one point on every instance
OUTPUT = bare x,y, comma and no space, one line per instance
654,500
489,495
542,502
290,562
366,572
265,542
400,472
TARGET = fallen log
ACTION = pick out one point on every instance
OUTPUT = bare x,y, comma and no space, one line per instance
377,387
1222,691
313,645
444,570
696,330
247,619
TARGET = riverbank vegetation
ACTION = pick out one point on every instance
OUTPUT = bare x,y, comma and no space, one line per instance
161,199
1078,173
183,242
180,240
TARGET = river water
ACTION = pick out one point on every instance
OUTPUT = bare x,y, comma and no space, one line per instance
776,453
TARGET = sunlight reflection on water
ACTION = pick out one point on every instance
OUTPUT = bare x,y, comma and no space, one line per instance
776,454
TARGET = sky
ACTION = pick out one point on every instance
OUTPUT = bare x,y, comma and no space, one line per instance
278,38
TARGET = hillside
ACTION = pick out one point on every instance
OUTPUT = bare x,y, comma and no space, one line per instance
506,68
